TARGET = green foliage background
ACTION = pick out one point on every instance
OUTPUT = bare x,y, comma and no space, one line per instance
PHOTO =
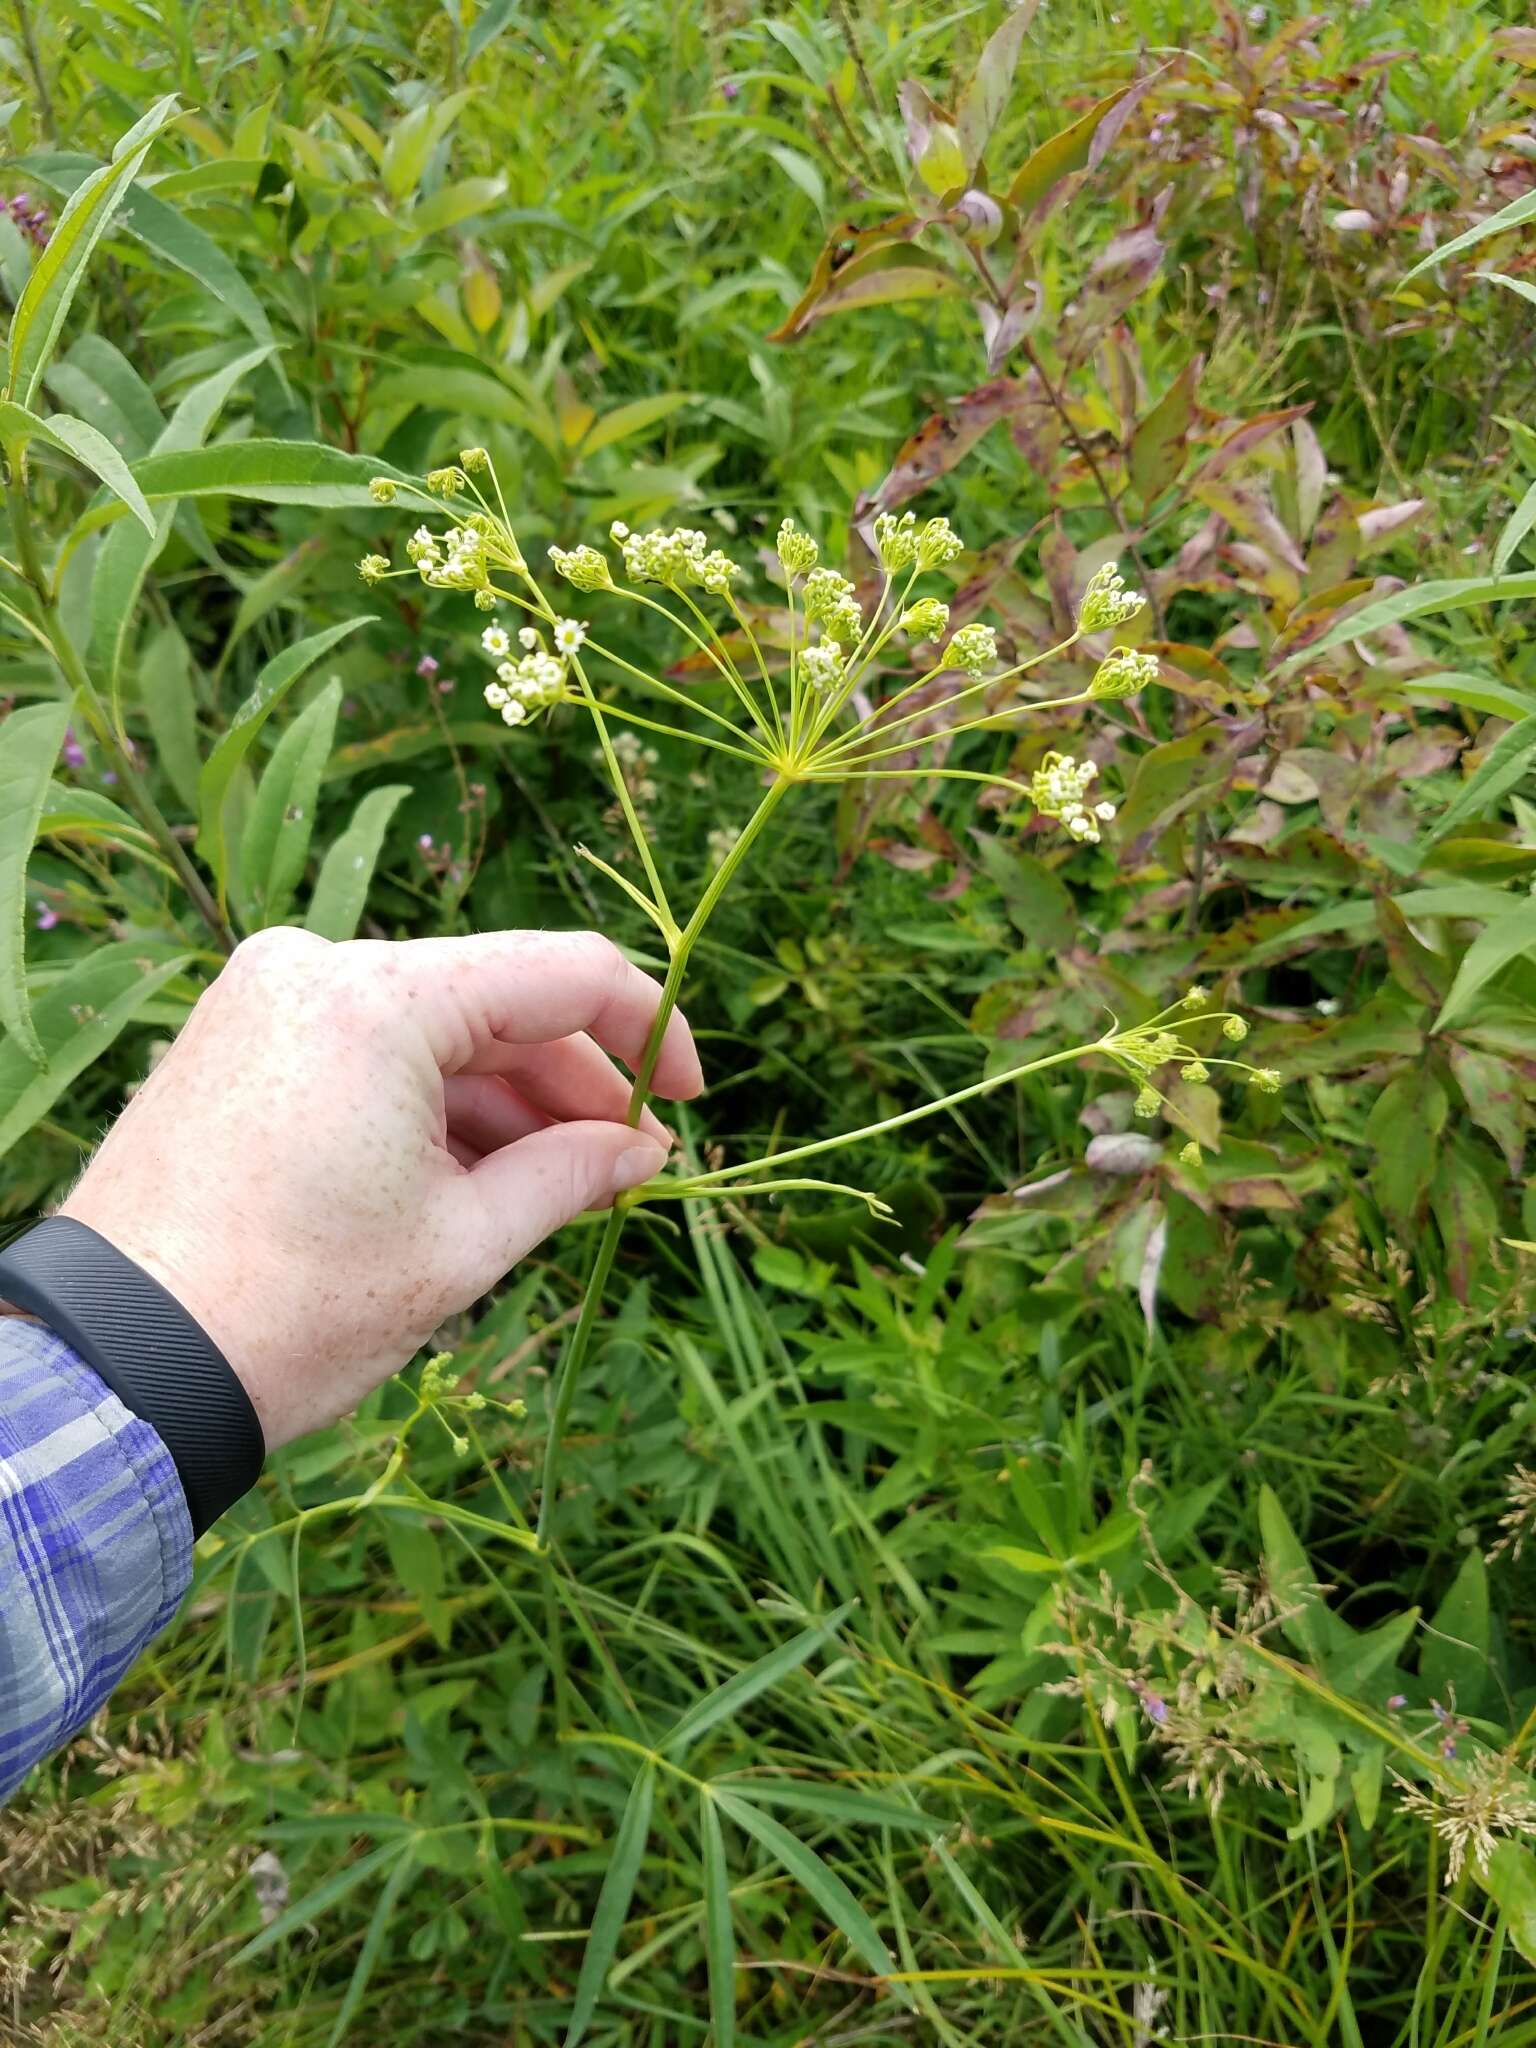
1022,1622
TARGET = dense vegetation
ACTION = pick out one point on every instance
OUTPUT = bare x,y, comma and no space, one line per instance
1087,1604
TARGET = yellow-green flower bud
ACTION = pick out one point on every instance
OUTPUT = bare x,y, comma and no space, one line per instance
1196,998
1266,1080
1148,1102
937,544
797,551
1107,602
973,648
383,490
583,566
896,541
474,460
1197,1070
444,482
372,567
924,620
1123,672
1235,1029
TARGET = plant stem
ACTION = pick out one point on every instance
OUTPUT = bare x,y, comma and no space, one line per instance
75,674
35,66
706,1182
613,1229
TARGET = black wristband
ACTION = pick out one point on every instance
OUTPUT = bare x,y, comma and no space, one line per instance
154,1357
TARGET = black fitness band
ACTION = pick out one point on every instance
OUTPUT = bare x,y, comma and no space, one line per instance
150,1352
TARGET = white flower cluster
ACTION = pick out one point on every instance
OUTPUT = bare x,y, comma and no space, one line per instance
902,544
1123,672
1060,790
829,598
1107,602
822,665
532,681
681,556
637,759
973,648
460,559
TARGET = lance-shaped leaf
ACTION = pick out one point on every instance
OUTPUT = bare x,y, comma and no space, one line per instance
84,443
29,745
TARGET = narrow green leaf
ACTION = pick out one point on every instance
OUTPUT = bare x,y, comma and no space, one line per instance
1477,693
1515,215
1507,765
1291,1575
339,1885
1057,158
1506,938
58,271
85,813
77,1019
84,443
1518,525
822,1882
1510,1881
373,1942
627,420
833,1802
719,1933
341,889
1458,1637
165,696
127,554
413,139
737,1692
489,23
29,745
1520,285
275,844
273,683
613,1902
1447,595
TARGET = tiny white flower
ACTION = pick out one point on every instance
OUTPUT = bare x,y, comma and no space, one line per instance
496,642
527,638
569,635
1104,811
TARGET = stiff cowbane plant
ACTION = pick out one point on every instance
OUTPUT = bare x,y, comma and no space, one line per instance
801,709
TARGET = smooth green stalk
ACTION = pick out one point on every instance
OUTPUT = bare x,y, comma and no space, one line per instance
75,674
613,1229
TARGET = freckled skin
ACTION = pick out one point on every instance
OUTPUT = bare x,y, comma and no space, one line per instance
347,1144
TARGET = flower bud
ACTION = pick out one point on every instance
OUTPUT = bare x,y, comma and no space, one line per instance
372,567
924,620
1107,602
474,460
937,544
1195,998
1235,1029
1266,1080
444,482
973,648
383,490
1123,672
1197,1070
1148,1103
583,566
796,550
896,541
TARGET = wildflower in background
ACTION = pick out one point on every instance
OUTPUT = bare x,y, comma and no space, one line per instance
924,620
729,88
720,841
1123,672
1107,602
72,751
47,917
32,219
427,667
973,648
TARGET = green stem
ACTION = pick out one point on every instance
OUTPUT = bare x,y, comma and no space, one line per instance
613,1229
74,672
890,1123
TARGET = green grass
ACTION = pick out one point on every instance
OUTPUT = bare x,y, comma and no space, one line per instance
930,1647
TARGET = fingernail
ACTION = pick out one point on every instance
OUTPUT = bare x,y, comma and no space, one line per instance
639,1163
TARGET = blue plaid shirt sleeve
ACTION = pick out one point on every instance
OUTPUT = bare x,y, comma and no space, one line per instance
95,1543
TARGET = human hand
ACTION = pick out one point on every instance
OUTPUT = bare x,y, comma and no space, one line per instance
349,1143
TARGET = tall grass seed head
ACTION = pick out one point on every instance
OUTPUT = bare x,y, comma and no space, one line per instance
1107,602
582,566
796,550
973,648
1123,672
924,620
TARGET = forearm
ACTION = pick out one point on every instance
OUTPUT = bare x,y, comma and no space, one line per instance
95,1543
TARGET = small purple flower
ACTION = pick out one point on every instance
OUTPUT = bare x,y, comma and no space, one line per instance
425,842
47,917
1398,1700
74,753
1154,1706
109,775
446,687
427,666
729,89
1448,1748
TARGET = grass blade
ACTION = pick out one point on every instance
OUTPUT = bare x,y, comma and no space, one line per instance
818,1879
737,1692
719,1933
613,1902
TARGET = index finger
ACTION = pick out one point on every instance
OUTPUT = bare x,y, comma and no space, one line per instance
528,988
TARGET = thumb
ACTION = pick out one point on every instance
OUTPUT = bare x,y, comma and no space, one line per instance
515,1197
